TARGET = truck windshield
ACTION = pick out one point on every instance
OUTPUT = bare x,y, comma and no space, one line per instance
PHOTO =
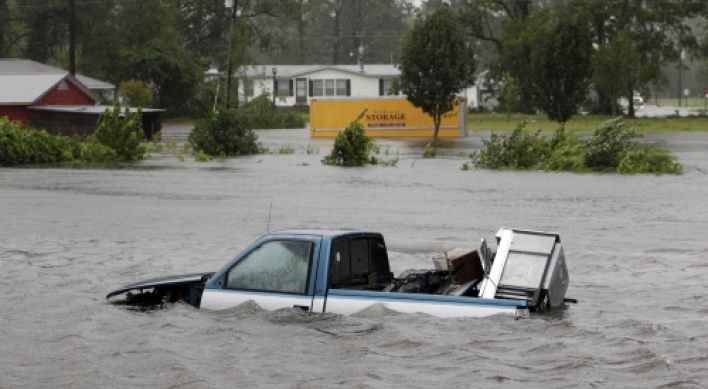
275,266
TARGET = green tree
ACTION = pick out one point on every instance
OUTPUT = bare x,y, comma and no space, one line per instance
658,29
138,93
507,29
561,68
436,63
151,49
617,64
331,31
509,95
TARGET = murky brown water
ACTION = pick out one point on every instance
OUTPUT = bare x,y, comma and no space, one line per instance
636,249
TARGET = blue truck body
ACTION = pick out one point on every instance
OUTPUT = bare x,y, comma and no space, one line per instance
345,272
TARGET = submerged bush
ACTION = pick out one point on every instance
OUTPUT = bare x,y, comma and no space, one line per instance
609,149
94,151
121,132
520,150
608,145
224,132
262,115
20,146
117,137
352,147
649,160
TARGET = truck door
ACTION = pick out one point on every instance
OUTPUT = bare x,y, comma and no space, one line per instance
276,274
358,271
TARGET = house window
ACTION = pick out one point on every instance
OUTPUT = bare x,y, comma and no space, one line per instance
385,85
248,86
330,87
284,87
318,88
342,88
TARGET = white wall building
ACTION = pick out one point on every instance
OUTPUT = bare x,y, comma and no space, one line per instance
295,84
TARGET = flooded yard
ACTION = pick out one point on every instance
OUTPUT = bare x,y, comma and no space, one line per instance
635,246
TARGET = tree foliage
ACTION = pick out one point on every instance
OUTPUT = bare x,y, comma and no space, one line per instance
224,132
331,32
561,68
436,63
137,93
618,64
658,30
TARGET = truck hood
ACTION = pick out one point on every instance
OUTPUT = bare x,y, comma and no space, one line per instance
183,279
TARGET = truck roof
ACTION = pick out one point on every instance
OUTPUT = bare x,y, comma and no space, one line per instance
324,232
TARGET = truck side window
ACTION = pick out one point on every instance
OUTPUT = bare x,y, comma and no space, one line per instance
379,258
354,260
276,266
360,257
340,263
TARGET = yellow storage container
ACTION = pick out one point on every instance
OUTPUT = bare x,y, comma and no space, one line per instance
392,116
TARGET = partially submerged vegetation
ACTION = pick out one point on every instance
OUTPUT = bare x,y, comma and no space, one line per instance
352,147
262,115
609,149
585,123
118,138
224,132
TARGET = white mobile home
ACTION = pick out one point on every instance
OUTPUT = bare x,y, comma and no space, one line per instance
296,84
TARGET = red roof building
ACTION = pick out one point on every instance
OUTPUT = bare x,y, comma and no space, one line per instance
25,84
45,97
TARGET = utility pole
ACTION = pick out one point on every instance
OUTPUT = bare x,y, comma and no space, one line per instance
72,37
229,71
679,76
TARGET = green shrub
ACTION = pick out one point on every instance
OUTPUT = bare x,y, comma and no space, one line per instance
121,132
20,146
648,160
137,92
262,115
604,150
352,147
519,151
286,150
226,132
94,151
201,156
430,151
609,149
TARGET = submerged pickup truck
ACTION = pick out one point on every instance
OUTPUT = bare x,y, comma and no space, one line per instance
345,272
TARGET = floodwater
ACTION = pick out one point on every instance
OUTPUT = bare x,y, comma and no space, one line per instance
636,249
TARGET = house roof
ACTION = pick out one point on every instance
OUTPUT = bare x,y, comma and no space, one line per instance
94,84
19,66
292,71
26,89
88,109
24,82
